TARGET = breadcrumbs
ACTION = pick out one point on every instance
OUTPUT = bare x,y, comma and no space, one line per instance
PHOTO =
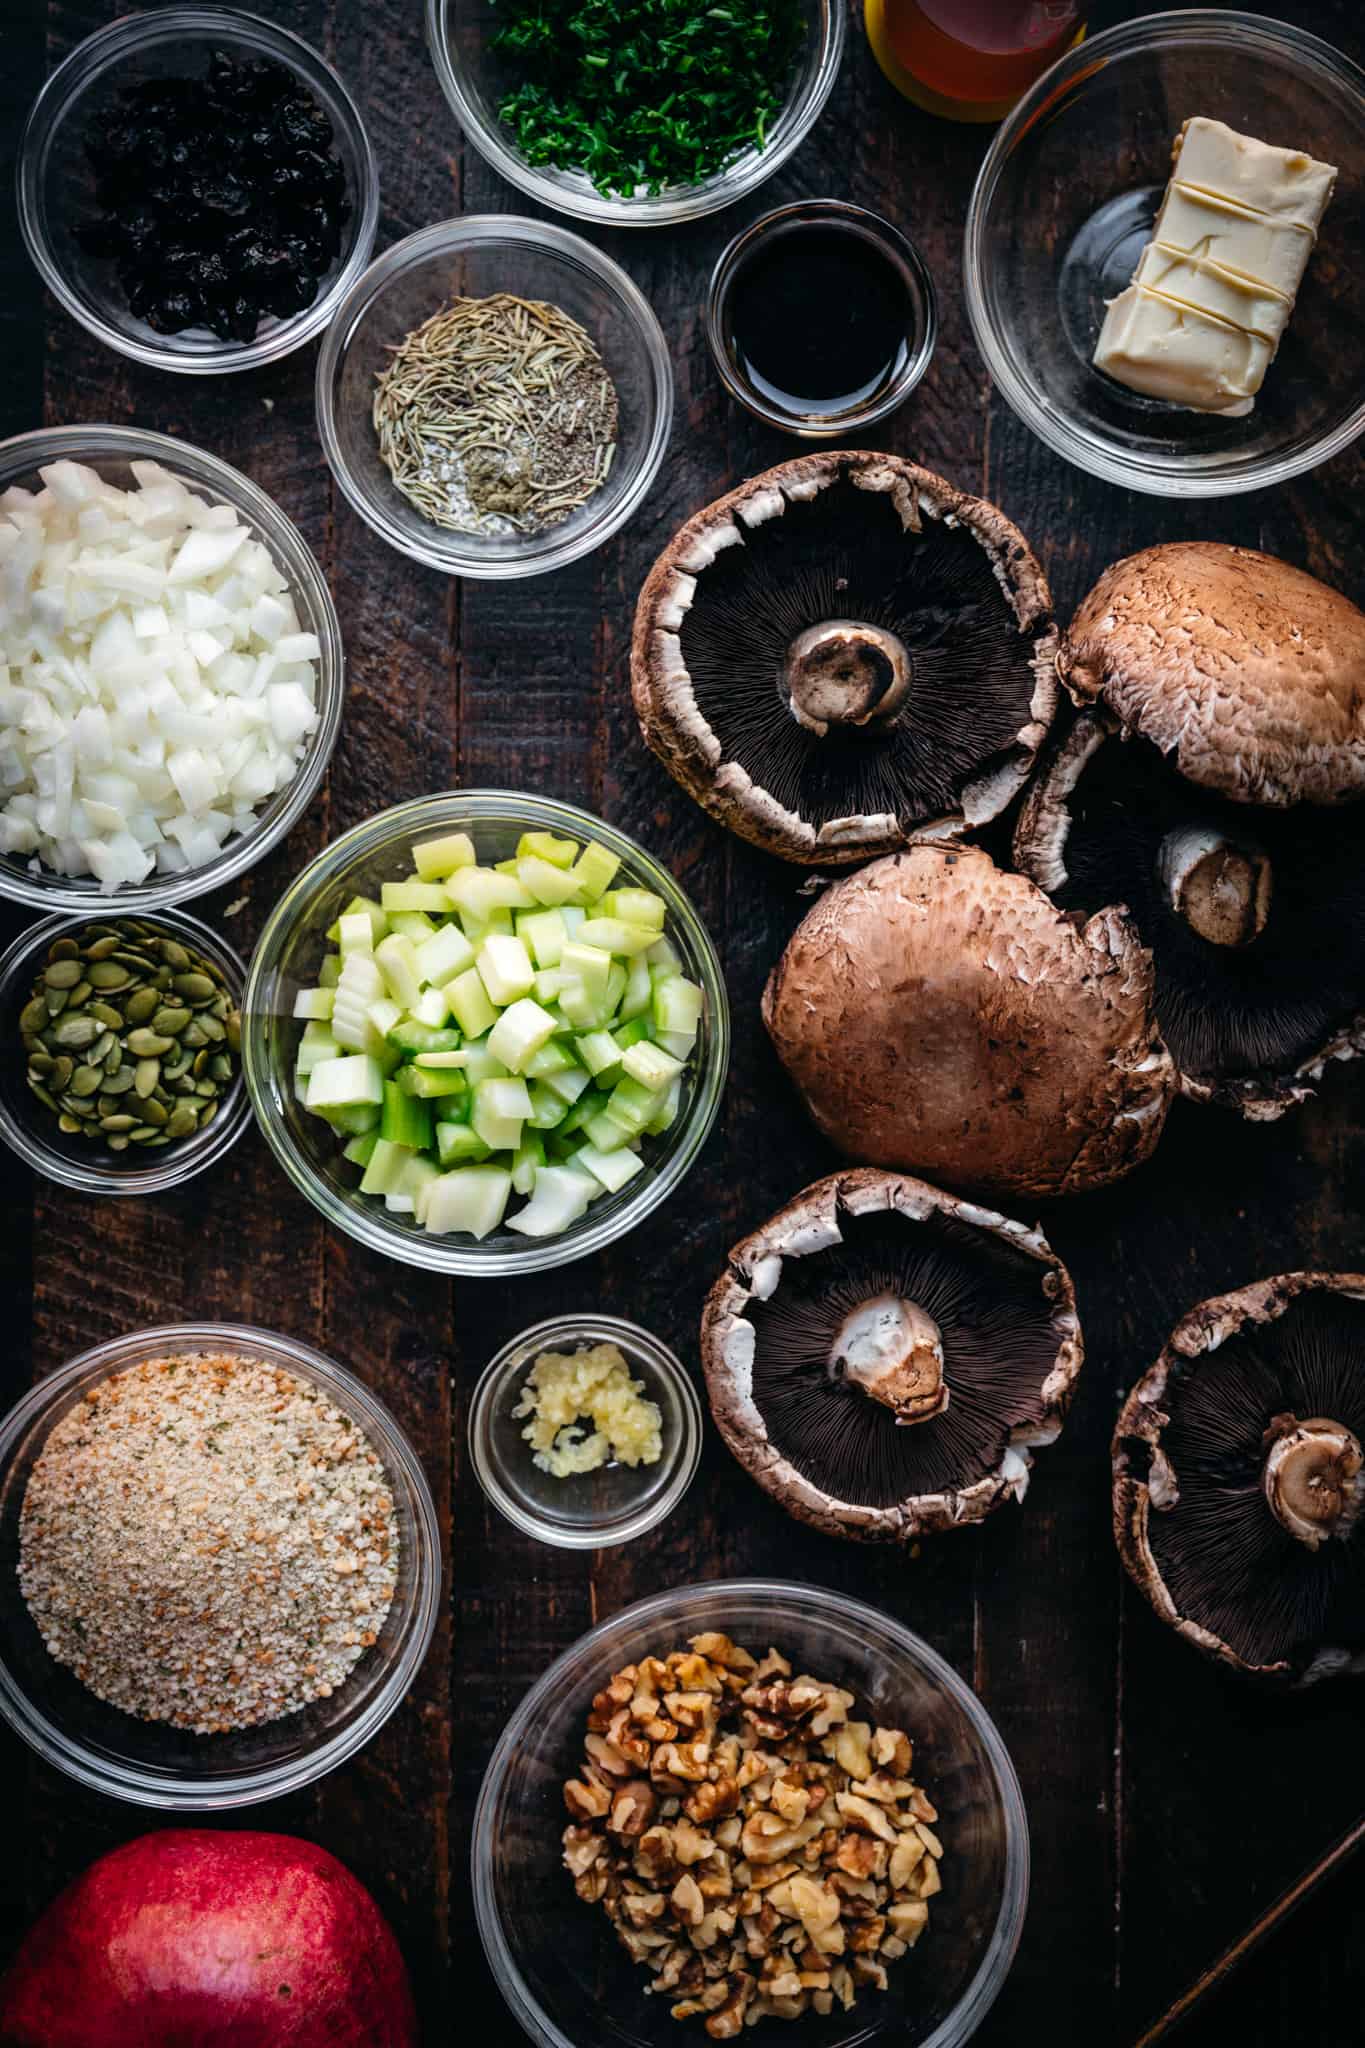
592,1382
208,1541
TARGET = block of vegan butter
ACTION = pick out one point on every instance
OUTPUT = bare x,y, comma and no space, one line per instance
1211,289
1286,184
1272,252
1157,346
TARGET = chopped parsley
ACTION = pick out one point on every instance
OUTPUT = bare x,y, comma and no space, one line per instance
640,95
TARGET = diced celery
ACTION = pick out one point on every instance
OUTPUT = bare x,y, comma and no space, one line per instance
499,1110
651,1066
630,1033
405,1120
677,1005
415,896
355,933
505,969
379,924
342,1083
588,965
529,1154
678,1043
457,1143
469,1004
664,957
409,1034
547,1108
361,977
360,1150
632,1105
598,1052
547,884
482,891
431,1008
385,1169
569,1084
639,989
505,867
614,935
520,1032
358,1118
635,906
544,933
480,1064
574,918
314,1005
613,1168
667,1112
330,971
562,1195
561,853
548,985
396,957
616,987
603,1131
434,859
317,1044
418,1177
553,1058
590,1103
428,1083
594,870
444,955
413,924
472,1198
444,1062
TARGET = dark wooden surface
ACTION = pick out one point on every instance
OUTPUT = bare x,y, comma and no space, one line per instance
1168,1805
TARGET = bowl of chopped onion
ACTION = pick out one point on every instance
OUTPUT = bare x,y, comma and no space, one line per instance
631,123
485,1033
172,670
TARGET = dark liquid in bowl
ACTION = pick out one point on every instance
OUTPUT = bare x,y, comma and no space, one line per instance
818,320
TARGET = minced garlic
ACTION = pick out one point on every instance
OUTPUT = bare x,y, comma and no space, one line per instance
592,1382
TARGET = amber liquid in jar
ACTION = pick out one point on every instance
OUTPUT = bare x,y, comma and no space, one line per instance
970,59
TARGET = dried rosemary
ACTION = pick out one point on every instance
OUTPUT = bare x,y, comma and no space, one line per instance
497,416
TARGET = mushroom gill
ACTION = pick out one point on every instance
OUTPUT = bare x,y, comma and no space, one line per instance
962,1325
1239,1482
844,652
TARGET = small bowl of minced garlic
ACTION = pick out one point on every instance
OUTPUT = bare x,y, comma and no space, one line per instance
585,1431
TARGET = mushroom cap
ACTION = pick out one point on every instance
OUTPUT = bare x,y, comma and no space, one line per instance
1011,1342
1249,672
1252,1028
747,576
942,1016
1190,1519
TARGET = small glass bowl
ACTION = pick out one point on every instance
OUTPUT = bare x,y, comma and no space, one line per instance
287,958
473,78
473,257
921,310
557,1961
591,1510
150,1763
29,1129
55,187
110,450
1065,201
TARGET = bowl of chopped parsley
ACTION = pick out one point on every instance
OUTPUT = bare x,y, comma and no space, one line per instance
636,112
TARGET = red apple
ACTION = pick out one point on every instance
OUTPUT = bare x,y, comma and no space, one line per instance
193,1939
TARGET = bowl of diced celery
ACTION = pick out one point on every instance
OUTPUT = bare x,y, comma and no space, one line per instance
485,1032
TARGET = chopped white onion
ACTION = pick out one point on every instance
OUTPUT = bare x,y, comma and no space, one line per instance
156,686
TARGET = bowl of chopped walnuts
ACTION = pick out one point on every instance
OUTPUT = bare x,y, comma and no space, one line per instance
750,1801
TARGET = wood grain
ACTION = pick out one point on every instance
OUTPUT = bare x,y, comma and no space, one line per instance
1169,1805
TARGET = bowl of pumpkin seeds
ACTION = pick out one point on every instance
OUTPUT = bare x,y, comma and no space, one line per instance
119,1054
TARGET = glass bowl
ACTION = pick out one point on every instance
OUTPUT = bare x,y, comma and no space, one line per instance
150,1763
921,306
55,186
592,1510
472,257
31,1131
557,1961
287,959
1066,199
473,77
110,450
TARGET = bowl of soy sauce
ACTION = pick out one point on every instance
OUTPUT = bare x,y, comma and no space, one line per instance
821,318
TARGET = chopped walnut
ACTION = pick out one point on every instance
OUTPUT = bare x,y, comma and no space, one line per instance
762,1853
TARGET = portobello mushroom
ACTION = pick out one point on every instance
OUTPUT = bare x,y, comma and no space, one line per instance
1208,785
846,654
1238,1478
883,1358
941,1016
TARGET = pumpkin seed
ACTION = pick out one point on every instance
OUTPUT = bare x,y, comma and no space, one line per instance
154,1112
100,949
62,974
44,1095
86,1080
146,1075
116,1142
62,1069
41,1063
76,1033
174,954
63,949
213,1027
107,1015
120,1122
119,1083
108,974
182,1121
145,1045
195,988
69,1124
33,1017
170,1021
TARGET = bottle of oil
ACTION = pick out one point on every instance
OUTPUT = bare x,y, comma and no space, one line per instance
970,60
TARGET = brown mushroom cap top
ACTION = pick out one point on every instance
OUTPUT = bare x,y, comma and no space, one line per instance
844,654
1006,1338
1249,672
942,1016
1239,1482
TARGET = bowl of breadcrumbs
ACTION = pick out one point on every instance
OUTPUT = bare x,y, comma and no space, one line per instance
220,1565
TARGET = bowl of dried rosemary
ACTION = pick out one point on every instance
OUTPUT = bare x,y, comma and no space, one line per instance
494,396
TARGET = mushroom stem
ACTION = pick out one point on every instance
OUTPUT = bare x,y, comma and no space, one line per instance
893,1352
1220,888
846,673
1313,1477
